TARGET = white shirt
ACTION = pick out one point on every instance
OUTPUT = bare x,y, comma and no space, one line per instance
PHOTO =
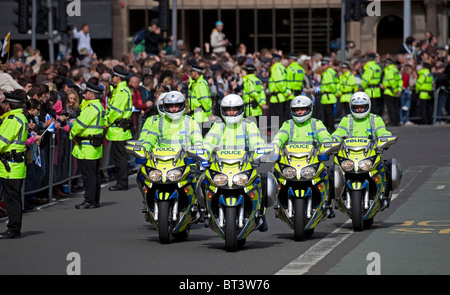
84,40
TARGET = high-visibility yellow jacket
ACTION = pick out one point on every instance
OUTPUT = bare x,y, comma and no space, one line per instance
424,84
90,122
351,127
294,76
392,81
328,86
239,136
371,78
164,132
308,132
347,86
120,107
253,91
13,138
199,99
278,83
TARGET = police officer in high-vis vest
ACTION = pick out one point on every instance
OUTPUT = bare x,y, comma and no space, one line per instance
424,88
278,87
13,137
235,133
295,75
174,129
302,129
119,125
346,87
328,88
199,98
392,84
370,82
87,132
253,93
361,122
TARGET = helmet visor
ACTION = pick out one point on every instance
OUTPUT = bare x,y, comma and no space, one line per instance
174,107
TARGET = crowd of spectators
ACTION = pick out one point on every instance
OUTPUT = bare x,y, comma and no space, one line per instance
55,90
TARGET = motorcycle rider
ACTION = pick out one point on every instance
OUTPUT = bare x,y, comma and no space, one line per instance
174,129
361,123
236,133
303,129
148,123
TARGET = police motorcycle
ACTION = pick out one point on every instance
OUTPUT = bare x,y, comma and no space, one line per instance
167,182
304,186
231,191
369,181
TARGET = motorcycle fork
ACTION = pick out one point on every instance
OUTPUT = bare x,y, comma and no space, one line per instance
221,219
366,201
302,194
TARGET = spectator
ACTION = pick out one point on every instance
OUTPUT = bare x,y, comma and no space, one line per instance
84,39
218,40
153,38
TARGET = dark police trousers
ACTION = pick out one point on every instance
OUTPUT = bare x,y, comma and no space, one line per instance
120,159
90,174
12,195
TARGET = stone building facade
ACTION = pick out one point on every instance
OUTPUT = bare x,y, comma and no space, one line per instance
291,25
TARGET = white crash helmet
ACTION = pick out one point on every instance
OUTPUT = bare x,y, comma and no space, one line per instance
301,101
174,98
160,104
360,99
232,101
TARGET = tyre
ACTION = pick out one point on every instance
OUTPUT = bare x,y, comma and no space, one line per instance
357,210
299,219
164,223
230,229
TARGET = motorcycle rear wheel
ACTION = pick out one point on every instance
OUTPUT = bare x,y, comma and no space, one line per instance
230,229
299,219
164,223
357,210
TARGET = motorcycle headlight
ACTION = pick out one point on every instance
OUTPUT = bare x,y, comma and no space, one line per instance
220,179
308,172
365,165
289,172
175,174
155,175
240,179
347,165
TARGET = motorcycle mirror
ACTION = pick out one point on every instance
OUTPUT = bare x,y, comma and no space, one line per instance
386,142
329,148
137,151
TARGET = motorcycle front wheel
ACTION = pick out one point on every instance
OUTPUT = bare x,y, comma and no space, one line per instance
164,223
230,229
299,219
357,210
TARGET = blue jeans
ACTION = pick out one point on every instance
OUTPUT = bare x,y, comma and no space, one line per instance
405,101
